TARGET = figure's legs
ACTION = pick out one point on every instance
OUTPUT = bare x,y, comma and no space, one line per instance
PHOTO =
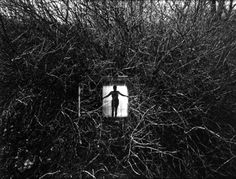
116,107
116,111
112,112
112,108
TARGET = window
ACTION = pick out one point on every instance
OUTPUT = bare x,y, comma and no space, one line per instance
115,100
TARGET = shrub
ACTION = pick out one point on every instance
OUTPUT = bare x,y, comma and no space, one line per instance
181,81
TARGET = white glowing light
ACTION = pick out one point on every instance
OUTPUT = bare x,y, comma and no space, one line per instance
122,110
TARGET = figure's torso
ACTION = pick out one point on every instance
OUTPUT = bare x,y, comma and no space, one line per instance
114,95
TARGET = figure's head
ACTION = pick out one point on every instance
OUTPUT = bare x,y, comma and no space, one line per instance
114,87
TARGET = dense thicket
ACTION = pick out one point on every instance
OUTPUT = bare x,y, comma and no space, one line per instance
181,66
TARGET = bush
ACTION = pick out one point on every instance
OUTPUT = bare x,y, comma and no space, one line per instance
181,85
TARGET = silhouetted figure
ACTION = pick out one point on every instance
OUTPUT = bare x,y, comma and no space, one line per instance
115,100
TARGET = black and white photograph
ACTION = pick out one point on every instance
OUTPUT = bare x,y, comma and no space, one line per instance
117,89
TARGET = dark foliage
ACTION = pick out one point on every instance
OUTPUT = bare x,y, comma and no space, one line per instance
181,83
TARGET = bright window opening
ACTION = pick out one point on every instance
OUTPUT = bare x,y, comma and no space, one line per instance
115,101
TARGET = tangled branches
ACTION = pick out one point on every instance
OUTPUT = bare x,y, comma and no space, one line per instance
181,83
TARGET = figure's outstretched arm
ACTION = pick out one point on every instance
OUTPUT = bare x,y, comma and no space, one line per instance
106,95
122,94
